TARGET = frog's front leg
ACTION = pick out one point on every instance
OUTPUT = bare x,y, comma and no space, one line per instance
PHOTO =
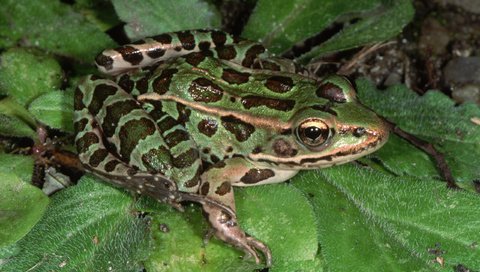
217,185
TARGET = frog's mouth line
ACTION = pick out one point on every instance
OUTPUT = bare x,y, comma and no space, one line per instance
376,139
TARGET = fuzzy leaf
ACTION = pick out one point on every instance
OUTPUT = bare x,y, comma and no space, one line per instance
21,206
369,221
54,109
25,75
148,17
51,26
434,118
89,227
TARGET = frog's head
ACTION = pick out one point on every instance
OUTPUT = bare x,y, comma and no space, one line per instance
333,129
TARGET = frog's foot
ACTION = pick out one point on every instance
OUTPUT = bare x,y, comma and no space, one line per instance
227,229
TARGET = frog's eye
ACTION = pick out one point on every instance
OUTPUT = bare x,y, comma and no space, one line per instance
313,132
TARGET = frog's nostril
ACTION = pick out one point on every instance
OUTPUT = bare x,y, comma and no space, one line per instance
360,131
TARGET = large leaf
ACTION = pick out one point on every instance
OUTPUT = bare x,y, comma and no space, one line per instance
52,26
21,206
149,17
370,221
385,23
19,165
89,227
281,24
432,117
25,74
180,249
54,109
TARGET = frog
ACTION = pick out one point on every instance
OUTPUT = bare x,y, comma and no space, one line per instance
189,115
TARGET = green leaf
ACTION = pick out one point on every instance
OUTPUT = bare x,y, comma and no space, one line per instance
434,118
385,23
15,127
26,75
402,158
21,206
99,13
19,165
149,17
52,26
369,221
281,24
54,109
263,217
88,227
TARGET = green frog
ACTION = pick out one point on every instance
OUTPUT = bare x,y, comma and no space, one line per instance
186,116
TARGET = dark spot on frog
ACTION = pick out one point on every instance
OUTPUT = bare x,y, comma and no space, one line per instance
126,83
195,179
156,52
97,157
100,94
130,54
207,127
283,148
251,54
226,52
80,125
206,150
156,159
205,188
234,77
195,58
131,133
214,158
175,137
359,132
163,38
204,90
229,149
167,123
224,188
240,129
78,100
105,61
331,92
113,114
251,101
287,131
256,175
232,99
84,142
185,159
110,166
219,38
187,39
142,84
204,46
161,84
279,84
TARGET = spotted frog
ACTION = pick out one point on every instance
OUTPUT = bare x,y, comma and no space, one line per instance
188,115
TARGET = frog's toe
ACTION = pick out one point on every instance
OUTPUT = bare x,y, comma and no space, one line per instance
227,229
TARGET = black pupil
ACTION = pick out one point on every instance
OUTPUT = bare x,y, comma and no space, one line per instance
313,133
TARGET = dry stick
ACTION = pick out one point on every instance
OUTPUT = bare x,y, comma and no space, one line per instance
428,148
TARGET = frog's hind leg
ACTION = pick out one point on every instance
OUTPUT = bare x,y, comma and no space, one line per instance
112,129
216,184
159,48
